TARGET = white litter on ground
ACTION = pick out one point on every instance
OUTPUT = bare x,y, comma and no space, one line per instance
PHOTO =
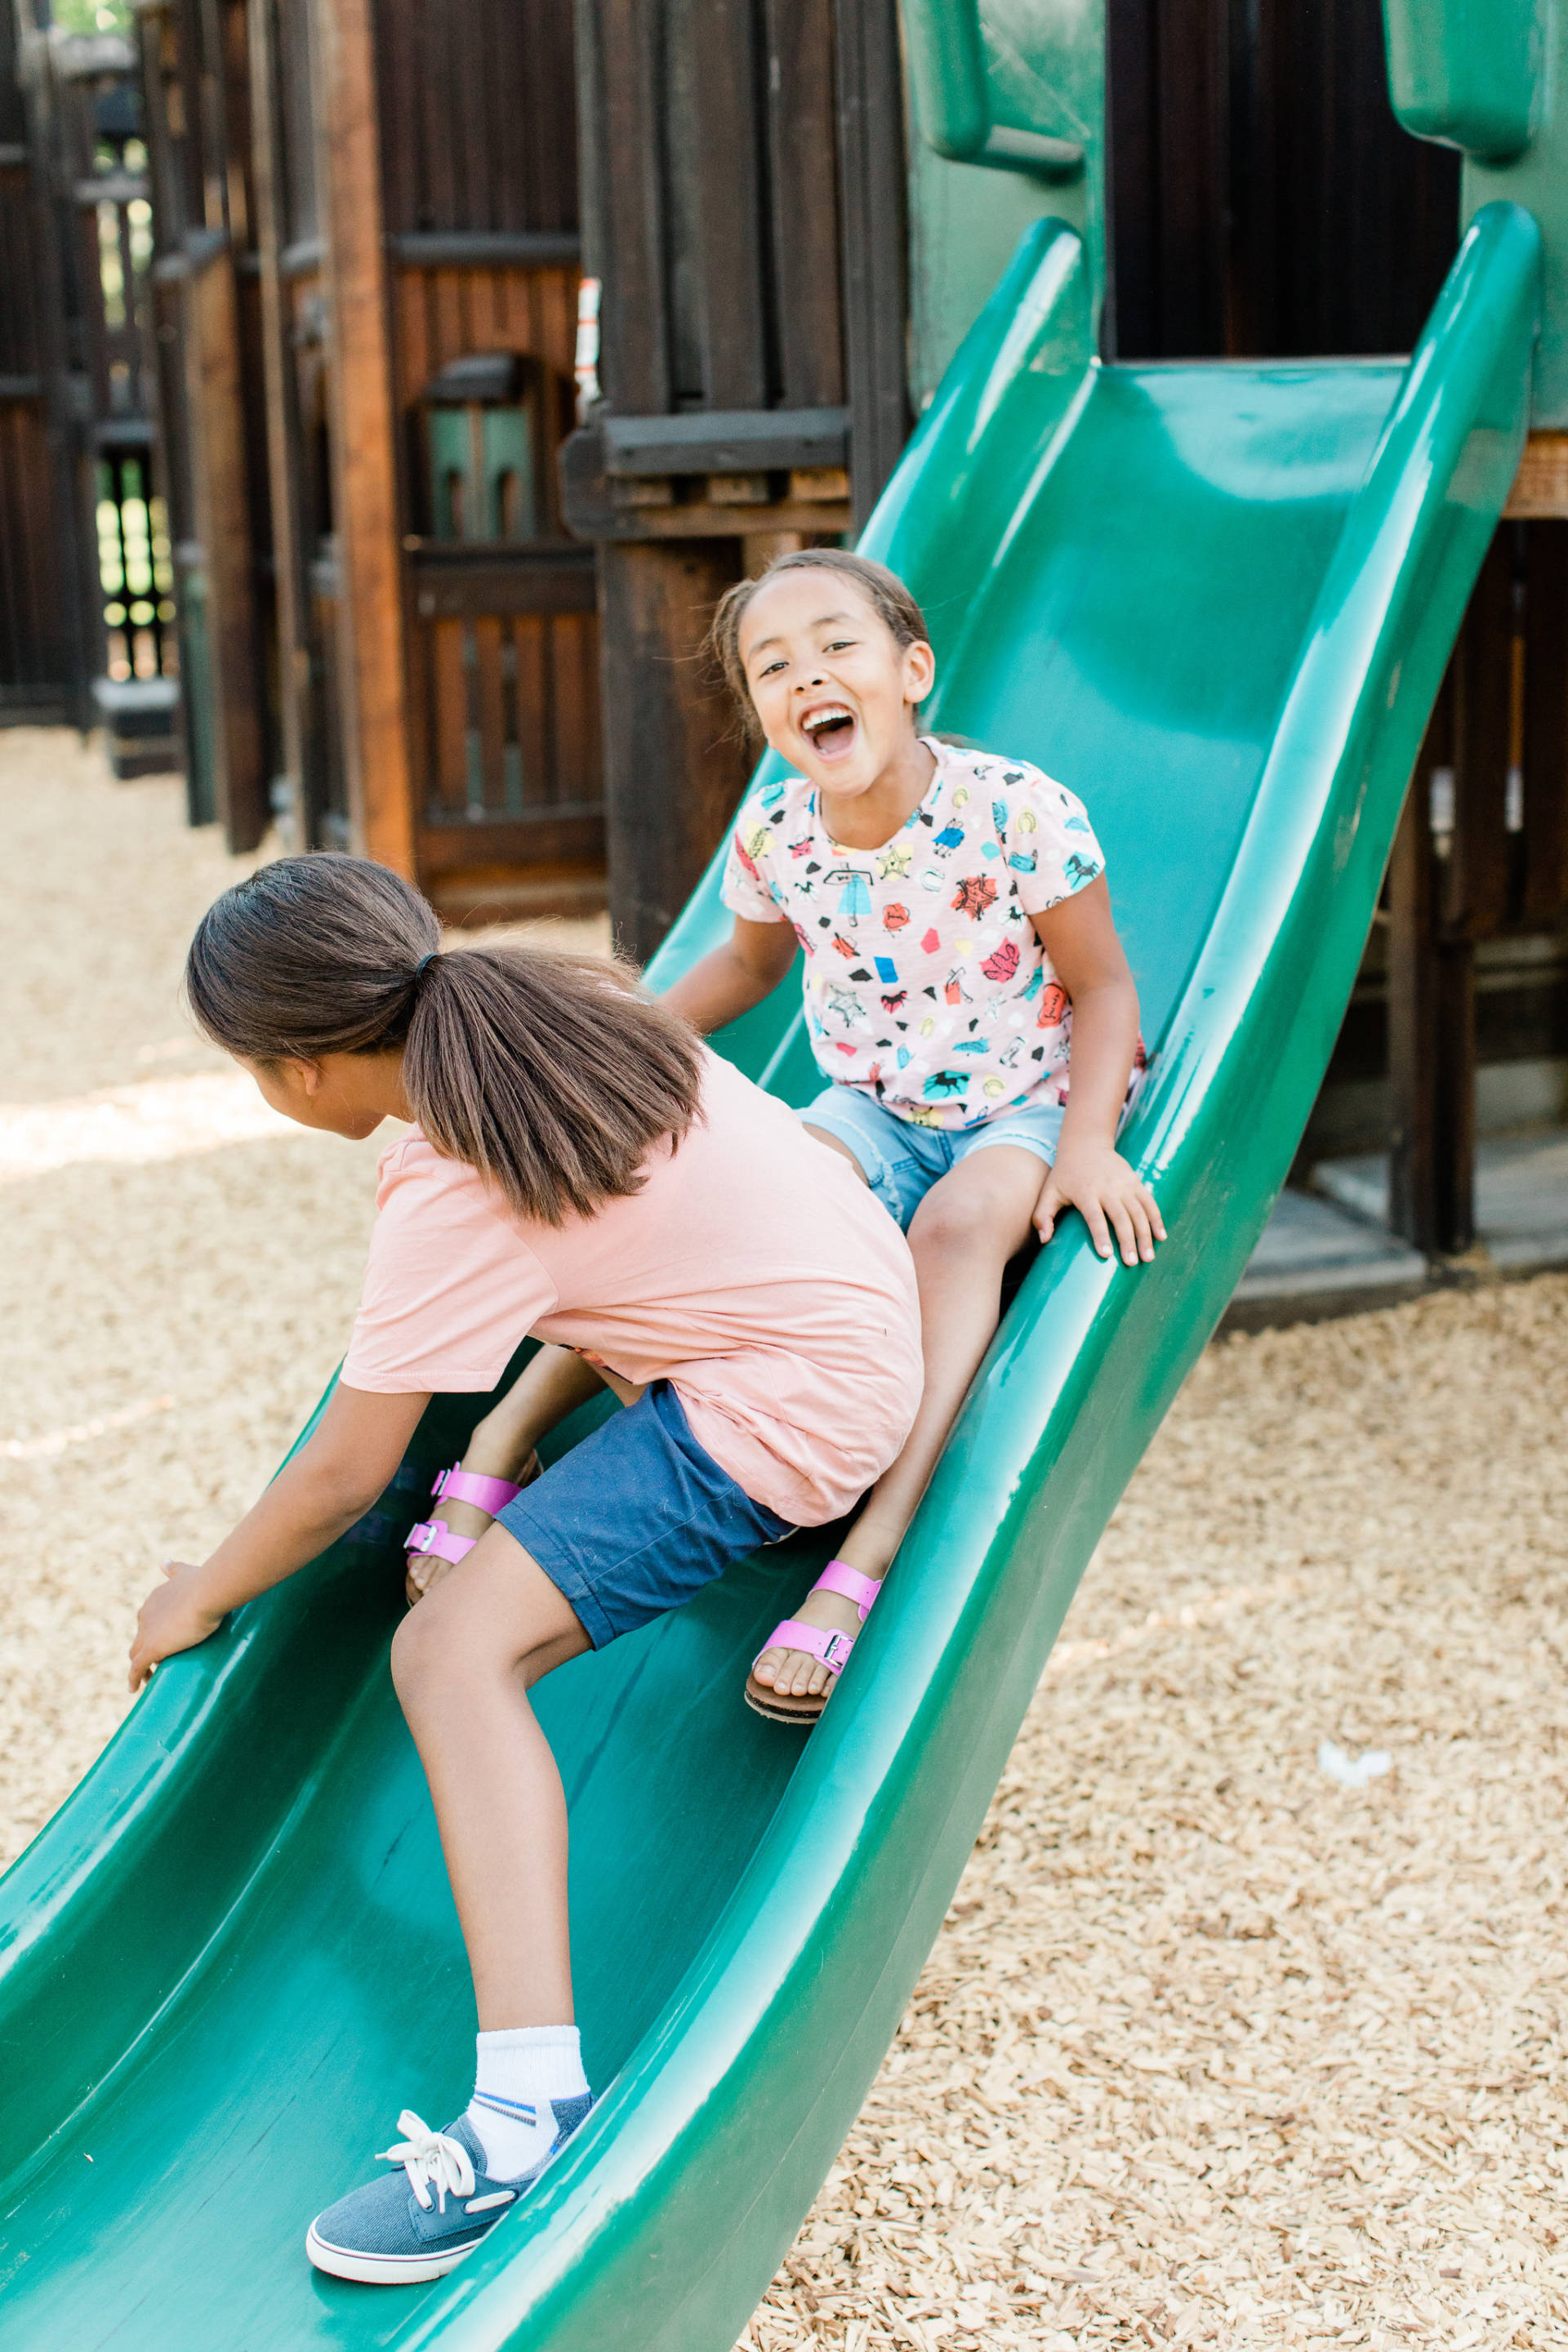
1352,1771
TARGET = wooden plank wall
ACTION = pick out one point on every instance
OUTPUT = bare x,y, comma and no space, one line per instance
1264,200
743,205
417,191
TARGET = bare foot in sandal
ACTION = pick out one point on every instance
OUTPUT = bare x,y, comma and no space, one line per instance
792,1684
468,1503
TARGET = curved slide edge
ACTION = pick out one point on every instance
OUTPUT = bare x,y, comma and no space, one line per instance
662,2222
661,2226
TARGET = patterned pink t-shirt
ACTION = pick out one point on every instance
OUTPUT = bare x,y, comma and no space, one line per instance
925,984
753,1271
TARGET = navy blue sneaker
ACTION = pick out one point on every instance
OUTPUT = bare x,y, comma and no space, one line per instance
419,2223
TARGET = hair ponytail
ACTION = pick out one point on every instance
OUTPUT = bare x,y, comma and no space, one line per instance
553,1075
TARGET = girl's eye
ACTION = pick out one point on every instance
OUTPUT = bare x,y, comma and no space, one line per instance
841,646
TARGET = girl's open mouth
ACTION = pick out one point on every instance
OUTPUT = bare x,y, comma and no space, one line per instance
830,730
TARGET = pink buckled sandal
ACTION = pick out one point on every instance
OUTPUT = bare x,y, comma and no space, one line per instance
831,1650
491,1494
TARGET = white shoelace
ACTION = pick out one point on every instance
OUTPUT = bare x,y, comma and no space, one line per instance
429,2155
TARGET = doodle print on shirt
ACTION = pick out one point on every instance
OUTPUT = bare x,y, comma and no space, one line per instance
925,984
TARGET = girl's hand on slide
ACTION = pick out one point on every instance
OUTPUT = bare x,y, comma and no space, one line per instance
172,1618
1097,1182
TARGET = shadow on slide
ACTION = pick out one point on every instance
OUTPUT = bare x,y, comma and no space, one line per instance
1216,601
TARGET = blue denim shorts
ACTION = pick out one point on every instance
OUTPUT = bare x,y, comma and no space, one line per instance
900,1161
637,1518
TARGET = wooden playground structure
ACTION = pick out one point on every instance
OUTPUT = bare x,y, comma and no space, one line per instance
311,480
386,437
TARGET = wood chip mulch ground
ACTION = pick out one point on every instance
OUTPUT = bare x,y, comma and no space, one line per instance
1213,2049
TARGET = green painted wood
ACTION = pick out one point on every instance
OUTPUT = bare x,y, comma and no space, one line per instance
958,112
1538,179
990,80
1467,72
1217,600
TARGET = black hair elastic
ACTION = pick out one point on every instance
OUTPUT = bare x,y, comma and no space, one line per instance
424,964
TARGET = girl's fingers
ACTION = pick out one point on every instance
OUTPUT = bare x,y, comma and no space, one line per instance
1140,1217
1122,1219
1093,1215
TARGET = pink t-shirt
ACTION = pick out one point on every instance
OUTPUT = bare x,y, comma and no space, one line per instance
753,1271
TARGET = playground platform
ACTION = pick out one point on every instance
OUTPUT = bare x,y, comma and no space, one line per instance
1326,1249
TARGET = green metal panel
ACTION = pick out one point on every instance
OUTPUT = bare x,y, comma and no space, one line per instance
1467,72
1218,601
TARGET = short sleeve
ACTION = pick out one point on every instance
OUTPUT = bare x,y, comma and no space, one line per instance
1052,853
451,1288
746,889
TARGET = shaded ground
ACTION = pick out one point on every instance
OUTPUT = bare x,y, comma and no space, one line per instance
1212,2049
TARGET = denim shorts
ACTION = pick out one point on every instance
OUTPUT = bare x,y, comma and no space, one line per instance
900,1161
637,1518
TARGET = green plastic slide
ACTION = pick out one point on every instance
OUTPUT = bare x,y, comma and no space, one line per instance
1216,601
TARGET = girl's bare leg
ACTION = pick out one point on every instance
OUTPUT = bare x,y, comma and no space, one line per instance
961,1237
463,1663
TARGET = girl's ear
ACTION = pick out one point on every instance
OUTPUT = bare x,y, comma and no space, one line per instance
919,671
308,1075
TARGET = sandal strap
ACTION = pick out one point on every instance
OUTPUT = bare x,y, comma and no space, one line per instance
490,1495
850,1585
829,1650
435,1534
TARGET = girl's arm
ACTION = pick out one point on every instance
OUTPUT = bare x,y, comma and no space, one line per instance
348,1460
1089,1174
748,967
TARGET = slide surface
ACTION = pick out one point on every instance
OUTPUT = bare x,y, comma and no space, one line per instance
1216,601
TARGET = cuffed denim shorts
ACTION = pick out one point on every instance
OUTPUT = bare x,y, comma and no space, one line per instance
900,1161
637,1518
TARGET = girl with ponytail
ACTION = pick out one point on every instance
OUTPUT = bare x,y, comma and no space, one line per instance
579,1167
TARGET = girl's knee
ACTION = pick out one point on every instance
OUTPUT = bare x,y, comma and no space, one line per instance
433,1640
952,1225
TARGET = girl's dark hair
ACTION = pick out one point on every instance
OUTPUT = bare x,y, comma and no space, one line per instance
882,589
552,1075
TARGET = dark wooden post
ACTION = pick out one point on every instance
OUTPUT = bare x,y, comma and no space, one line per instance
196,110
372,648
874,244
48,308
1449,888
268,174
663,720
1431,1030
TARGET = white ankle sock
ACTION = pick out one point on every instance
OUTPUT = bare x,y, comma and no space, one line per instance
521,2071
